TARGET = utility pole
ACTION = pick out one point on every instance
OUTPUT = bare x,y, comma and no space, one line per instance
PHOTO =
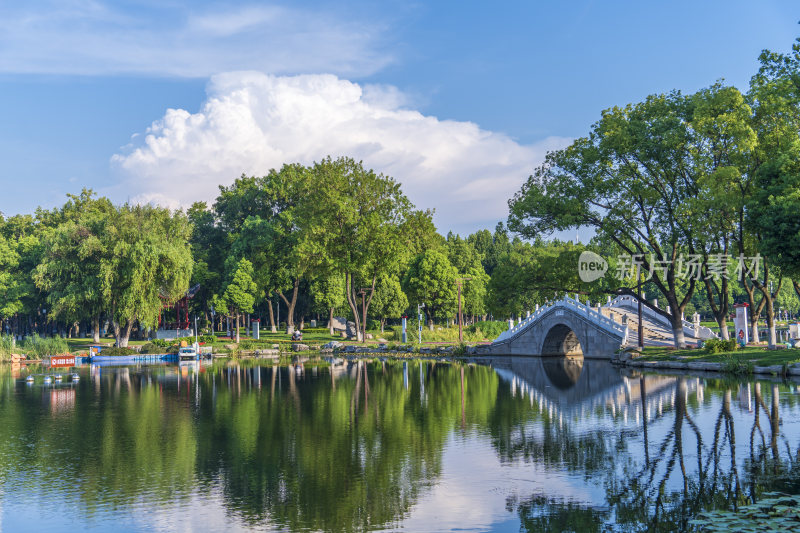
459,281
363,293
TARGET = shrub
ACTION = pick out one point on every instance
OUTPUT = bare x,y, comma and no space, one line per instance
113,350
153,348
489,329
734,365
39,346
720,345
7,346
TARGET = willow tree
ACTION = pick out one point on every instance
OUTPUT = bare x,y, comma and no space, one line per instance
69,271
10,304
148,261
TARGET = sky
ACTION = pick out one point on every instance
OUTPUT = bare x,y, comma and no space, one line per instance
163,101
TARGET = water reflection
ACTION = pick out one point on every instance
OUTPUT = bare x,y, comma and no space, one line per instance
356,445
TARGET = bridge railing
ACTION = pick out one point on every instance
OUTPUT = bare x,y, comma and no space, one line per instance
575,306
688,328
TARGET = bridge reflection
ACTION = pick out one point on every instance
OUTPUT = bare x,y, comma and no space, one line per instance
573,386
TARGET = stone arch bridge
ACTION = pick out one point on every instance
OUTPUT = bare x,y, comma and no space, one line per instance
566,327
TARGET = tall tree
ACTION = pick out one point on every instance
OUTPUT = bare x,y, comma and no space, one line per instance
328,292
351,223
239,293
148,261
431,280
631,180
390,301
69,270
772,207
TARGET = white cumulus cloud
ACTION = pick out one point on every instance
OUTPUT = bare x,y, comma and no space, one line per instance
252,122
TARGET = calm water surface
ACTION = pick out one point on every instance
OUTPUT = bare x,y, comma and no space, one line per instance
507,445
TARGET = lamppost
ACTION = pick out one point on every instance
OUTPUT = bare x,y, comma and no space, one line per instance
419,320
459,282
363,293
639,306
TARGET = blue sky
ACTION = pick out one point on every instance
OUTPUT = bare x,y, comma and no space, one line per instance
457,100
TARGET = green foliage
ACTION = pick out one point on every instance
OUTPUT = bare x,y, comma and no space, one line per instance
147,258
489,329
389,300
118,351
431,279
240,292
720,345
736,365
316,330
153,348
69,270
351,223
35,345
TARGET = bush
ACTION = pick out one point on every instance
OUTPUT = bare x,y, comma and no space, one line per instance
720,345
489,329
7,346
39,346
153,348
113,350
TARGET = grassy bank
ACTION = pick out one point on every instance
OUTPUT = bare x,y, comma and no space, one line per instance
33,346
754,355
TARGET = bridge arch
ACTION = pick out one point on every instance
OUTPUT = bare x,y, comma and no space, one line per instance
564,328
561,340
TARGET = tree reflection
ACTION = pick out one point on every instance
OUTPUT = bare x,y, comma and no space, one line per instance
352,447
659,488
301,447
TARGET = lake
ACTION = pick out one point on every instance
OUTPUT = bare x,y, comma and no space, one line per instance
508,444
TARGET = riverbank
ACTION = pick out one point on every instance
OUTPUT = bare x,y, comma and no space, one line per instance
748,360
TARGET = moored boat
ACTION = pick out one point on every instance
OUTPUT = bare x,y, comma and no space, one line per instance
188,353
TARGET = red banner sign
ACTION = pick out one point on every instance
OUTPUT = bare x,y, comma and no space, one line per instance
62,361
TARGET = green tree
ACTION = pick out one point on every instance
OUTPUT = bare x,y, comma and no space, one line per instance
148,261
390,301
210,246
69,269
351,222
431,280
239,293
260,215
328,293
772,210
23,302
10,304
633,181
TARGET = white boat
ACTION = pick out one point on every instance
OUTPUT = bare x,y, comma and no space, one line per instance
188,353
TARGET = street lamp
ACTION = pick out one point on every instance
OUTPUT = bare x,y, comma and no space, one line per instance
639,306
419,320
459,281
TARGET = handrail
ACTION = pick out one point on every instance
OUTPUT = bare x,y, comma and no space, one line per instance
595,317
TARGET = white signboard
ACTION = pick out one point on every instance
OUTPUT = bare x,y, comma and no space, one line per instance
741,324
